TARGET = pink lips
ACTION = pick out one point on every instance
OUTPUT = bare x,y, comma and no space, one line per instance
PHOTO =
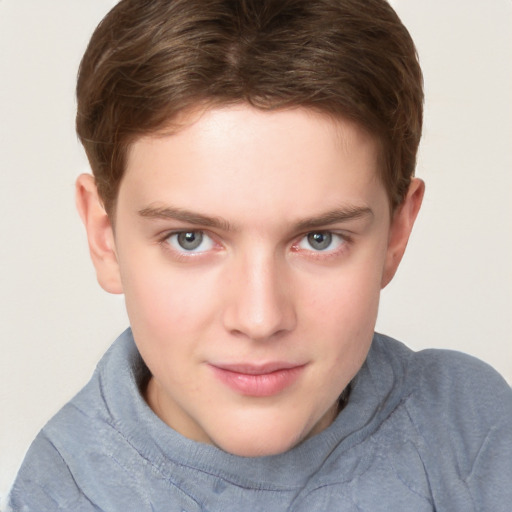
258,381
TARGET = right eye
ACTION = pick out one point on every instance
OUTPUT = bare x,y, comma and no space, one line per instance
190,241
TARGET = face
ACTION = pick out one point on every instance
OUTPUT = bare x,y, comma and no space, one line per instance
251,248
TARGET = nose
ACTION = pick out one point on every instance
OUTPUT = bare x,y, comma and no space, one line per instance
260,304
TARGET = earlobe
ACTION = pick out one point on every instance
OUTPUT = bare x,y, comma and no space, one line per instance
100,234
401,227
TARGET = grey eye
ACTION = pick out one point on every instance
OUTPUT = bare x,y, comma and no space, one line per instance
189,240
320,240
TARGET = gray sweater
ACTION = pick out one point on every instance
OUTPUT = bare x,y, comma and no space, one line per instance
421,432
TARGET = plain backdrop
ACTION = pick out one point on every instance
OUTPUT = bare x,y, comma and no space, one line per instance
454,289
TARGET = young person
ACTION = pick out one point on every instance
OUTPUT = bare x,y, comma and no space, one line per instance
253,192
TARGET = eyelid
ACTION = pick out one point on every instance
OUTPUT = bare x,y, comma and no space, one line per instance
336,239
342,246
181,252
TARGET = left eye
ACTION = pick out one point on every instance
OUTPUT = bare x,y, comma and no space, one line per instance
321,241
190,241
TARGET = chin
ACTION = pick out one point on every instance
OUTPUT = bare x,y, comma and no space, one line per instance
262,442
256,448
267,433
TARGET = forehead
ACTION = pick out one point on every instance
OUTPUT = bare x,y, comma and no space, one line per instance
219,123
254,159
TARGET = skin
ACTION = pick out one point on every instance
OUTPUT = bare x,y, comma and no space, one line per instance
262,189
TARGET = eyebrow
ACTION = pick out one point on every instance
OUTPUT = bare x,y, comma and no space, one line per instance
187,216
337,215
344,214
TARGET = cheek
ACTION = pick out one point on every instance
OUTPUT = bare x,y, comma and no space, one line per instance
343,314
169,317
350,297
166,304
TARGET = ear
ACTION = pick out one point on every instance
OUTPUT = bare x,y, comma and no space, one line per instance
402,222
100,234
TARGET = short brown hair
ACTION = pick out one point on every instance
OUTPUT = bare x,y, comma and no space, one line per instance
150,60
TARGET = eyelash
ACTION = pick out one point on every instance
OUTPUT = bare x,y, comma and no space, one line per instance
344,242
182,253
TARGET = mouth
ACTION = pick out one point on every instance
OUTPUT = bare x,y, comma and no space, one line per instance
258,380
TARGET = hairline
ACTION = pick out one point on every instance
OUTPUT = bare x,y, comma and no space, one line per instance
190,114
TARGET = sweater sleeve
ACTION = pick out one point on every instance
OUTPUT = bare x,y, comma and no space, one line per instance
45,484
464,415
490,479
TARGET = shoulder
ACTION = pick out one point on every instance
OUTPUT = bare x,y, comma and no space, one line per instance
76,444
33,489
445,379
47,480
462,385
461,410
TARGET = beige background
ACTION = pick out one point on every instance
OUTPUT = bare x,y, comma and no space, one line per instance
454,289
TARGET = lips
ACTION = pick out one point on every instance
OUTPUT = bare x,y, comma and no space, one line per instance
258,380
